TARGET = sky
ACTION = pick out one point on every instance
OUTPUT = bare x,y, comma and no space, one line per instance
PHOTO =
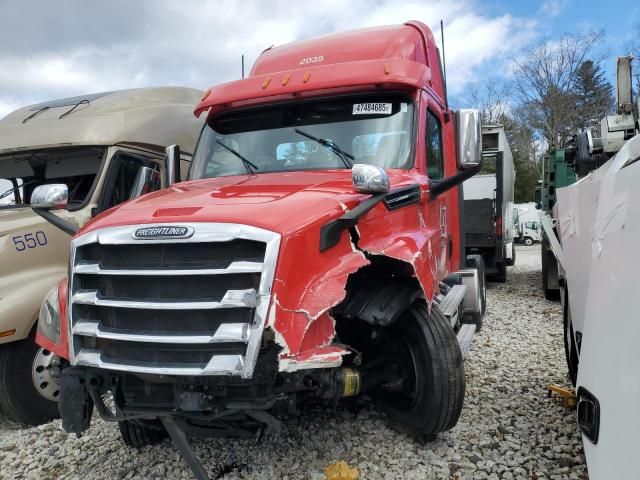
53,49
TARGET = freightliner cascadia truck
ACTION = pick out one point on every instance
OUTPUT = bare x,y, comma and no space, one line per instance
314,252
104,149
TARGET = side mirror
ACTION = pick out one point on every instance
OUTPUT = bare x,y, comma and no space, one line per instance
54,195
147,180
172,165
469,141
369,178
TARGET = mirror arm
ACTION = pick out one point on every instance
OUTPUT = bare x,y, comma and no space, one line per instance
331,231
440,186
66,227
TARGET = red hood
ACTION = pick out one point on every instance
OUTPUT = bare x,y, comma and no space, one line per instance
282,202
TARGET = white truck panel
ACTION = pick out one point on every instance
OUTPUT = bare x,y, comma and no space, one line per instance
600,241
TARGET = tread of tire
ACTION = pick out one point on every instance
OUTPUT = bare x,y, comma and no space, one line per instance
449,391
137,435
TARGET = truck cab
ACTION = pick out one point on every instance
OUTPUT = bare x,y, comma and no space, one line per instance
314,252
105,149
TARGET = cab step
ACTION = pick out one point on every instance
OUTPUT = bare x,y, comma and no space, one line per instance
465,337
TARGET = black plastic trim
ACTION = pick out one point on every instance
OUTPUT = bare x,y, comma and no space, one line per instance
66,227
412,193
588,420
331,231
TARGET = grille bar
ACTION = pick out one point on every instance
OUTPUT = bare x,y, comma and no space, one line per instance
94,268
218,365
183,306
231,299
226,333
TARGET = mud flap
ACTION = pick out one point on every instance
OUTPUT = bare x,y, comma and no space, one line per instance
75,405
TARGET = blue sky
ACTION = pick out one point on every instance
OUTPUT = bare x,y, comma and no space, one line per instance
64,48
620,19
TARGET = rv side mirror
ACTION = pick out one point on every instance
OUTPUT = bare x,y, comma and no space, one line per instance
369,178
172,165
147,180
54,195
469,138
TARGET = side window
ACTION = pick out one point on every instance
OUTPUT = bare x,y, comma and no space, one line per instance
434,146
125,174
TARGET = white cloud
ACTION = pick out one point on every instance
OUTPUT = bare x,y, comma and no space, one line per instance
95,47
553,8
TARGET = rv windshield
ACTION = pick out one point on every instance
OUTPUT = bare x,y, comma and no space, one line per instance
22,172
308,135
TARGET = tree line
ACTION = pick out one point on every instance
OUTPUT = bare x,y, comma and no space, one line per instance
558,88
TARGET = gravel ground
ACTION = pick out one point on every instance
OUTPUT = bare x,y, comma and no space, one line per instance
508,429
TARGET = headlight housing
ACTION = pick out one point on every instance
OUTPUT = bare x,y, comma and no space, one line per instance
49,318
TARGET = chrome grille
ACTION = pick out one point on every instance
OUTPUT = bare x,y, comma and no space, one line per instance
191,306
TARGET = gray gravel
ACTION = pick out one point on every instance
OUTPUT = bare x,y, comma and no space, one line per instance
509,428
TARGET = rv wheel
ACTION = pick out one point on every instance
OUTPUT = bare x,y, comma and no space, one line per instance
28,390
428,397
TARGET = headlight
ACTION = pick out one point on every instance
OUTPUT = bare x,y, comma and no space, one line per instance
49,318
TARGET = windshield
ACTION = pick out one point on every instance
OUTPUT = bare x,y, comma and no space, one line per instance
21,173
310,135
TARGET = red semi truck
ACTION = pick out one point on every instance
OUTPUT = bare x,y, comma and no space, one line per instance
314,251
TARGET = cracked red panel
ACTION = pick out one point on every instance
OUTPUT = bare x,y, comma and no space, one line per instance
403,235
309,282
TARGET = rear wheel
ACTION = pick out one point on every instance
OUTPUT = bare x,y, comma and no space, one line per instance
28,389
429,399
501,273
477,262
142,433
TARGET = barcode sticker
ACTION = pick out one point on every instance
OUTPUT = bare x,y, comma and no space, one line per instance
371,109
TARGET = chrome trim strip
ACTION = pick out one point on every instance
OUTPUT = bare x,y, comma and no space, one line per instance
203,232
218,365
235,267
231,299
226,333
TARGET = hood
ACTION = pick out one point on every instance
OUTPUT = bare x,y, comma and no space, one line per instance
282,202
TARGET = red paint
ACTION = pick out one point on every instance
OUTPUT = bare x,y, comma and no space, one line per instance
62,348
308,283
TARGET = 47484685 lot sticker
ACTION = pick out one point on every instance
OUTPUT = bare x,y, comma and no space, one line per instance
371,109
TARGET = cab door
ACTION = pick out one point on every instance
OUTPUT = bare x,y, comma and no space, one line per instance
436,210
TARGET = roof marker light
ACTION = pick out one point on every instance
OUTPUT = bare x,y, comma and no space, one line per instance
306,76
266,82
285,79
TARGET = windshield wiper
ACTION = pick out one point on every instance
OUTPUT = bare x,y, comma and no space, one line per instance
344,156
247,164
13,189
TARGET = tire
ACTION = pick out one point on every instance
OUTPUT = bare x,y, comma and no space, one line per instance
512,261
570,348
501,274
435,401
142,433
528,241
552,294
20,398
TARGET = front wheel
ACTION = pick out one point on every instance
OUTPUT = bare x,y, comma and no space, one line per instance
28,389
429,400
528,241
142,433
